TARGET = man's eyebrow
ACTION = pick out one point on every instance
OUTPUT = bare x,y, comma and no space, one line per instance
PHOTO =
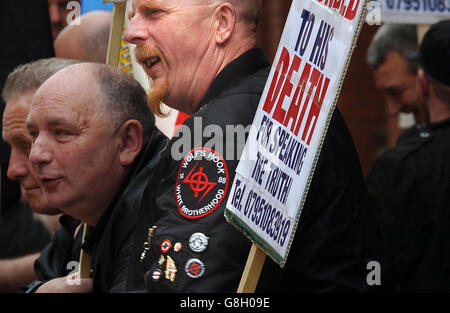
131,14
57,122
29,124
54,122
20,137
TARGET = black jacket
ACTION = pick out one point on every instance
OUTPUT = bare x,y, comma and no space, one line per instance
410,184
188,206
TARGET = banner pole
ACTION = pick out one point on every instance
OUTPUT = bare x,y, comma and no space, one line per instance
252,270
85,259
112,58
115,34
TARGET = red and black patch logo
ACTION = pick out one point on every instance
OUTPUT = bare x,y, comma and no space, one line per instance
202,183
194,268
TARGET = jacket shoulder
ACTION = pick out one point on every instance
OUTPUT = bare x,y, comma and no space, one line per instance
237,105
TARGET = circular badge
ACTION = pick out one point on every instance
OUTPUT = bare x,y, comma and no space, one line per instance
198,242
156,275
177,247
165,246
194,268
424,135
202,183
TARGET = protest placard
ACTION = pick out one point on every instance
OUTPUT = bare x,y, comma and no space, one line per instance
278,162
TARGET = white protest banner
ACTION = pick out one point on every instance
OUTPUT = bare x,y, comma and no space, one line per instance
412,11
277,165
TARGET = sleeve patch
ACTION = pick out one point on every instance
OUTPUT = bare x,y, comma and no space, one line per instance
202,183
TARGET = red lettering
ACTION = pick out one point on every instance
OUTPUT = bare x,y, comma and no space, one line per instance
280,113
277,81
315,107
313,79
351,9
349,12
337,4
295,105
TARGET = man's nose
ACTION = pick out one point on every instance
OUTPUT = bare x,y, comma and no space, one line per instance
136,32
40,153
53,11
17,168
393,106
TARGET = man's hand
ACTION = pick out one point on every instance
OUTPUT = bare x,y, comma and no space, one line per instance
69,284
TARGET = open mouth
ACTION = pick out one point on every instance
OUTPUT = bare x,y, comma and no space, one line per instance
151,62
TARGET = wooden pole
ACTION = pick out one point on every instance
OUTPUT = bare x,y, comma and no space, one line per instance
115,34
112,58
85,259
252,270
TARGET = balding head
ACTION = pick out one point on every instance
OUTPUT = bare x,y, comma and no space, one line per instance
248,11
87,41
108,92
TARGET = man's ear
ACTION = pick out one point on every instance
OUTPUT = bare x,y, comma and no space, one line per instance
423,84
225,22
131,141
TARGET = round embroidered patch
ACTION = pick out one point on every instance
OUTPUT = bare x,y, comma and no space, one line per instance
202,183
156,275
198,242
165,246
194,268
177,247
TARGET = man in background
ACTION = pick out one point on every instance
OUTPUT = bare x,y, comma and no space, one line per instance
58,12
26,36
18,230
394,73
87,41
410,182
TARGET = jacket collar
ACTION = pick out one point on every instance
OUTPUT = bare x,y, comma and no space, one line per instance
440,124
149,156
246,64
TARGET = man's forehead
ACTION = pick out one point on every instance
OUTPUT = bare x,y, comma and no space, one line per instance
14,129
17,107
58,1
170,3
70,87
42,118
150,2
